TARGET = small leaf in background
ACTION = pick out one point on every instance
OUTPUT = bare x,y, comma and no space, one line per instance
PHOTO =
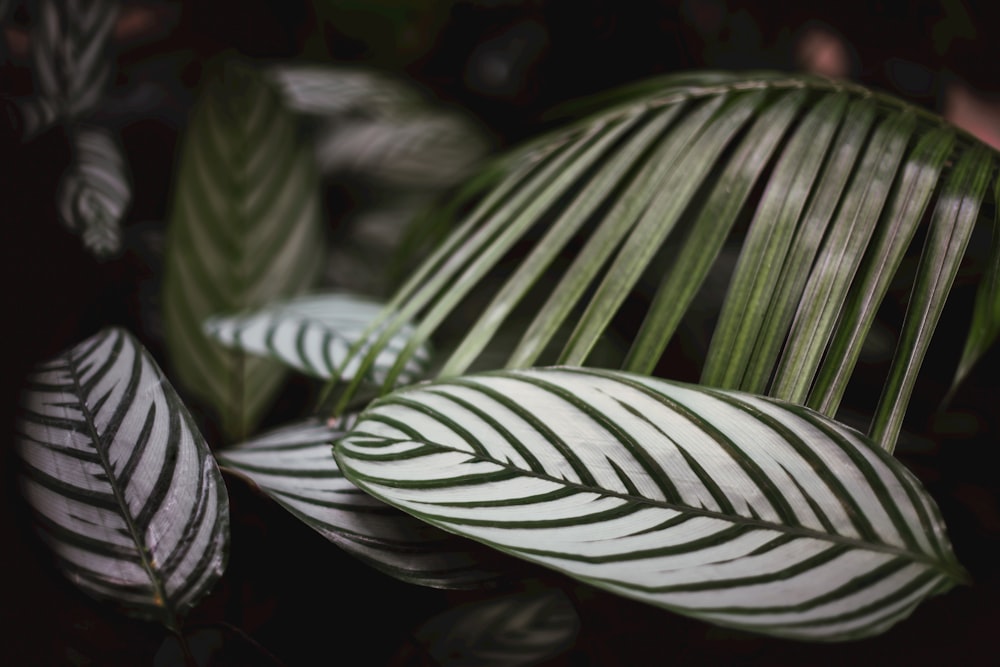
328,92
512,631
314,334
124,489
245,229
69,53
95,191
294,465
398,150
732,508
426,149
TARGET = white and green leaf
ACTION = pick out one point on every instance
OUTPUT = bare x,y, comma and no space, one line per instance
732,508
69,53
325,91
317,335
295,467
515,630
95,191
378,128
125,491
245,230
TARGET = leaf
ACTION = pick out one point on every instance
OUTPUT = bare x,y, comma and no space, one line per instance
95,192
906,208
510,631
324,91
732,508
124,489
985,325
294,465
427,149
617,217
314,334
840,256
69,54
951,227
30,116
245,230
380,129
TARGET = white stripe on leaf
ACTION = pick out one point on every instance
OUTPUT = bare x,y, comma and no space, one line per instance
315,334
294,465
95,191
732,508
124,488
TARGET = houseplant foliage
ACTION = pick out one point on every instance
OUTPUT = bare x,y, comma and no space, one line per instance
740,500
125,490
245,230
652,187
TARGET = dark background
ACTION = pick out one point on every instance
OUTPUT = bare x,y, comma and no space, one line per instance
506,62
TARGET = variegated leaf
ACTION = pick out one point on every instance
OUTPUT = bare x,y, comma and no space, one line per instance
325,91
95,192
245,230
732,508
294,465
124,489
69,52
314,334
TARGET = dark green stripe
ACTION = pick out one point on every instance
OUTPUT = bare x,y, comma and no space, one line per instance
872,477
533,463
851,507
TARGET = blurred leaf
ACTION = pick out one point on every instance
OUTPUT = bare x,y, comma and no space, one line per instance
341,92
510,631
95,191
124,489
985,325
245,230
69,43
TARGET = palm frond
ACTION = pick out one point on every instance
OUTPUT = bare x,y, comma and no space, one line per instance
633,205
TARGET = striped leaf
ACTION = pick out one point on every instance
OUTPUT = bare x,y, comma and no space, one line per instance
732,508
511,631
325,91
380,129
95,192
69,43
315,334
294,466
245,230
607,227
124,489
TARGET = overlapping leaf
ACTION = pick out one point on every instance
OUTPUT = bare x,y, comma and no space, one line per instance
316,335
651,187
294,466
124,489
245,230
729,507
95,192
